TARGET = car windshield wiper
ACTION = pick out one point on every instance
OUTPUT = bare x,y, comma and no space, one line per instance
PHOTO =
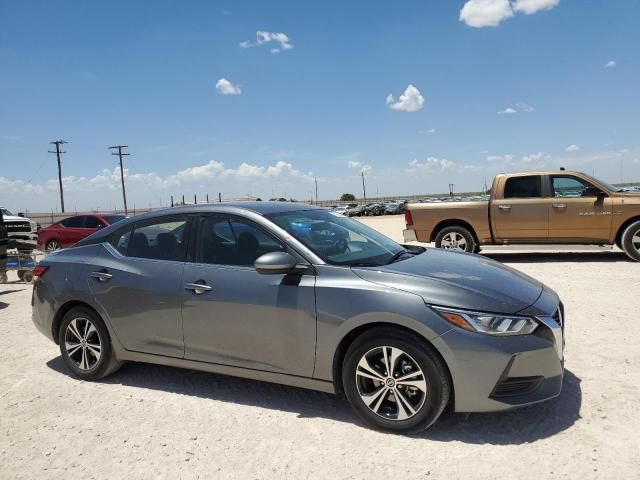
397,256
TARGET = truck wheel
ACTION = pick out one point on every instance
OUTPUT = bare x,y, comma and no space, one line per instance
456,238
631,241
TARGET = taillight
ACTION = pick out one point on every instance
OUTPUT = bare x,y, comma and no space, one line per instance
407,217
39,270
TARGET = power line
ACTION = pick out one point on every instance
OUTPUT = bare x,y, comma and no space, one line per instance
59,152
120,154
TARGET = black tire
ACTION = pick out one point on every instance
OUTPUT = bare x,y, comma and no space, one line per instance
106,364
470,244
21,275
438,384
27,276
631,241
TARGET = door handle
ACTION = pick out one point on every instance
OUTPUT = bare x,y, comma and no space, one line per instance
504,207
101,276
198,288
559,205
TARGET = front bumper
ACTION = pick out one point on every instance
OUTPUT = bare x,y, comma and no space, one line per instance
492,373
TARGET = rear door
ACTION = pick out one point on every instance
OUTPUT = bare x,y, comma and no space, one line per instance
138,282
520,211
577,214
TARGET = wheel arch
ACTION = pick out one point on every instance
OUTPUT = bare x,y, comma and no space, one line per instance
624,226
353,334
456,222
63,310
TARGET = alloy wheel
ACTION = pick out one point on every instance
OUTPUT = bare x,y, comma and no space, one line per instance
52,245
391,383
83,343
454,241
635,241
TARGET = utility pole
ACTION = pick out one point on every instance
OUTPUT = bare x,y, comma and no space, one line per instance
58,152
364,190
120,154
451,185
316,180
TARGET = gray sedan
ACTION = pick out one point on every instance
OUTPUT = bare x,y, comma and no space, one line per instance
302,296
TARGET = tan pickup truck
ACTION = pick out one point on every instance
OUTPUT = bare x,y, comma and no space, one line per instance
554,207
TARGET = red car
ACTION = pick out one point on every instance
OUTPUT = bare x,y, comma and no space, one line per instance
69,231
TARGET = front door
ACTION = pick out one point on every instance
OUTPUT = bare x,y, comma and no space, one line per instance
137,280
577,212
521,213
234,315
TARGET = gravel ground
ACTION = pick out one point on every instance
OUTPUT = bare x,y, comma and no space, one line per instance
149,421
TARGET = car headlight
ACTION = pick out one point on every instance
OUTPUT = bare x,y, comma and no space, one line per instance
489,323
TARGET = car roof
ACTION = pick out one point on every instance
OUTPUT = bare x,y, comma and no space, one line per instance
261,208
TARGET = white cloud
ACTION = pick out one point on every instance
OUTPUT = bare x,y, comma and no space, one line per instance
431,130
529,7
610,64
572,148
280,39
410,101
361,167
485,13
519,107
500,158
490,13
225,87
431,164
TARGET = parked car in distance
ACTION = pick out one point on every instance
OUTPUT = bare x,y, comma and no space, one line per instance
342,210
355,211
294,294
551,207
22,232
71,230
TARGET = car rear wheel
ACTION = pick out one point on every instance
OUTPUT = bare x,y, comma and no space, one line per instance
85,345
631,241
394,381
52,245
456,238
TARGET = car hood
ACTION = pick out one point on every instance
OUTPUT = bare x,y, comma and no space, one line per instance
458,280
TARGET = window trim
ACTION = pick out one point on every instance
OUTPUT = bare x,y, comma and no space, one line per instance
552,192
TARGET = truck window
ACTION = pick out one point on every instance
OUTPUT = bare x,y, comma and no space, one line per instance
568,187
523,187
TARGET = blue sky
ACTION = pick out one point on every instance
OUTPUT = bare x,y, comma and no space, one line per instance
144,74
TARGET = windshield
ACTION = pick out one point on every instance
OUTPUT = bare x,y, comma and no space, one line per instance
606,185
338,240
7,213
111,219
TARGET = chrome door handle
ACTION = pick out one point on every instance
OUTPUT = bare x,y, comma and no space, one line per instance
559,205
504,207
198,288
102,276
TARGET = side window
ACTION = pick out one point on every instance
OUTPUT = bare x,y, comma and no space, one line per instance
523,187
569,187
162,239
231,241
73,222
120,240
92,222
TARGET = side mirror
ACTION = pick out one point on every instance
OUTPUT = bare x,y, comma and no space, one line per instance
21,214
275,263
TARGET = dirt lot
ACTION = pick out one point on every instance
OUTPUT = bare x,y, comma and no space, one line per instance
149,421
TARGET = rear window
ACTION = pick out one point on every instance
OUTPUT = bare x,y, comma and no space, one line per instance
73,222
523,187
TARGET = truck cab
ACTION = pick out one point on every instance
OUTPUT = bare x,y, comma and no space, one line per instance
22,232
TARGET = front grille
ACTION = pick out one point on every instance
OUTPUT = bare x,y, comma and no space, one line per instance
515,386
18,227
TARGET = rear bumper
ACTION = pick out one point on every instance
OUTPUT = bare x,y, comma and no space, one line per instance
500,373
409,235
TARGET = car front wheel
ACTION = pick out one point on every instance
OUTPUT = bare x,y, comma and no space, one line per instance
631,241
52,245
394,381
85,345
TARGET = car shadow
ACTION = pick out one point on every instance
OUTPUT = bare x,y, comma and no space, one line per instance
515,427
548,257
